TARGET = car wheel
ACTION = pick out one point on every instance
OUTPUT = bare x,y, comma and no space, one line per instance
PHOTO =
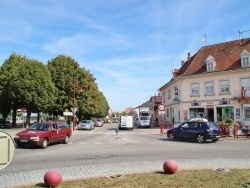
45,143
66,140
200,138
171,136
214,140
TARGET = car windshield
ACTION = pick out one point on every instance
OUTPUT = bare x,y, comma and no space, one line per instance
85,121
40,127
144,118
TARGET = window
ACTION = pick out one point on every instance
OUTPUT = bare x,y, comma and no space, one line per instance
224,86
209,88
195,89
245,59
169,94
210,63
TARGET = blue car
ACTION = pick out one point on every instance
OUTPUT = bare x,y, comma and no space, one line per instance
196,130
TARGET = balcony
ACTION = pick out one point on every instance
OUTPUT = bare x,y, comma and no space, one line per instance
238,94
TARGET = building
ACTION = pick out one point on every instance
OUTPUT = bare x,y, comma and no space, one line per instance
154,102
213,83
143,109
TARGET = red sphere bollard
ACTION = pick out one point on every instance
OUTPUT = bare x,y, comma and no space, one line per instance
170,166
52,178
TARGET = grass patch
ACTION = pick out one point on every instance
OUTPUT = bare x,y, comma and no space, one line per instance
235,178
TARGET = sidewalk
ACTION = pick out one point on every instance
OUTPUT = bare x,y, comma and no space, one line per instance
111,169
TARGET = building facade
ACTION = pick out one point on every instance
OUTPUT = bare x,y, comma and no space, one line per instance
214,84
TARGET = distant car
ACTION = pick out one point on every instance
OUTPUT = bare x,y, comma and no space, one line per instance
86,125
115,120
189,120
245,130
43,133
99,122
3,124
196,130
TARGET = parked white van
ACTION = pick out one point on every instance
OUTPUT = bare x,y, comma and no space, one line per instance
126,122
144,121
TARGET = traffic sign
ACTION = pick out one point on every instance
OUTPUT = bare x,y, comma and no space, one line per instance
161,107
23,110
74,110
161,113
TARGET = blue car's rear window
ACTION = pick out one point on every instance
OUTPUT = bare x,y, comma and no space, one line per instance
211,125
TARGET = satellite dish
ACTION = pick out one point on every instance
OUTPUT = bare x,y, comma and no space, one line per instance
7,149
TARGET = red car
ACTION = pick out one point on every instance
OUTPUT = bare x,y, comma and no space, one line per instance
43,133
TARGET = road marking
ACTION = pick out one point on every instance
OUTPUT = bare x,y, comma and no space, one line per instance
97,143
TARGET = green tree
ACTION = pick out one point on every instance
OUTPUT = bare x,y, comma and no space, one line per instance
11,84
40,93
63,70
25,83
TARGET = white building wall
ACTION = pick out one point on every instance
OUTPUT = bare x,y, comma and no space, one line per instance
178,106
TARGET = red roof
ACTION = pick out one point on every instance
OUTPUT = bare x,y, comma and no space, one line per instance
227,56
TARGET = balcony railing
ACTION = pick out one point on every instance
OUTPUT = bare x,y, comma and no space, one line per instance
238,94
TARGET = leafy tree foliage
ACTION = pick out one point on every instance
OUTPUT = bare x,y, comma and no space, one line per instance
89,101
25,83
29,83
63,69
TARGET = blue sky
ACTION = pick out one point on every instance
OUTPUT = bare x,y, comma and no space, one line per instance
130,46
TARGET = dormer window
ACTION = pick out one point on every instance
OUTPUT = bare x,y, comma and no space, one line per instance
245,59
210,63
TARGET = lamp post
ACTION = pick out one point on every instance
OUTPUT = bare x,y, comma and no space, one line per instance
75,87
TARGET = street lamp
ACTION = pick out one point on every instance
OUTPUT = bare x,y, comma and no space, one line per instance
76,87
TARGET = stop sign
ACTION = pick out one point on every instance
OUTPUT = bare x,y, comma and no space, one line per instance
24,110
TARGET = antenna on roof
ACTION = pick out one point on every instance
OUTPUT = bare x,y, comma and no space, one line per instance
240,34
204,39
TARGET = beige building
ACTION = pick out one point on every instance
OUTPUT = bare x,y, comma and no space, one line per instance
213,83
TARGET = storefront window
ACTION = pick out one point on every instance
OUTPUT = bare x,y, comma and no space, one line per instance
225,113
247,113
196,113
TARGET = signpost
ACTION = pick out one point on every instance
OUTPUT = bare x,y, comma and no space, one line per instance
161,111
23,110
74,116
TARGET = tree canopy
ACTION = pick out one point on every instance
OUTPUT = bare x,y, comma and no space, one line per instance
49,88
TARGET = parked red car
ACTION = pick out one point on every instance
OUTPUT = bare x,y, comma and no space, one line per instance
43,133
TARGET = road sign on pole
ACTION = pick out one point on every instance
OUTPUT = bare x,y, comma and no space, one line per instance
161,107
74,110
24,110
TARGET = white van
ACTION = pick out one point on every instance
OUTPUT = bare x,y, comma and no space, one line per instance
144,121
126,122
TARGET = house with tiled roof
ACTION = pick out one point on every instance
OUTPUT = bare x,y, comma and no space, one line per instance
213,83
143,109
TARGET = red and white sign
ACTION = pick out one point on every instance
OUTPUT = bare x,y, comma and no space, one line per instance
23,110
161,107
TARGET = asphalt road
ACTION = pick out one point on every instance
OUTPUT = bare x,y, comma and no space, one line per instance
102,146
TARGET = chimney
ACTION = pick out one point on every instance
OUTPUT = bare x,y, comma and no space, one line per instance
182,62
188,56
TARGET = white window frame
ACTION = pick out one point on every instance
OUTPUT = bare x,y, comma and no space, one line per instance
195,89
210,64
209,88
224,86
164,97
245,58
169,94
